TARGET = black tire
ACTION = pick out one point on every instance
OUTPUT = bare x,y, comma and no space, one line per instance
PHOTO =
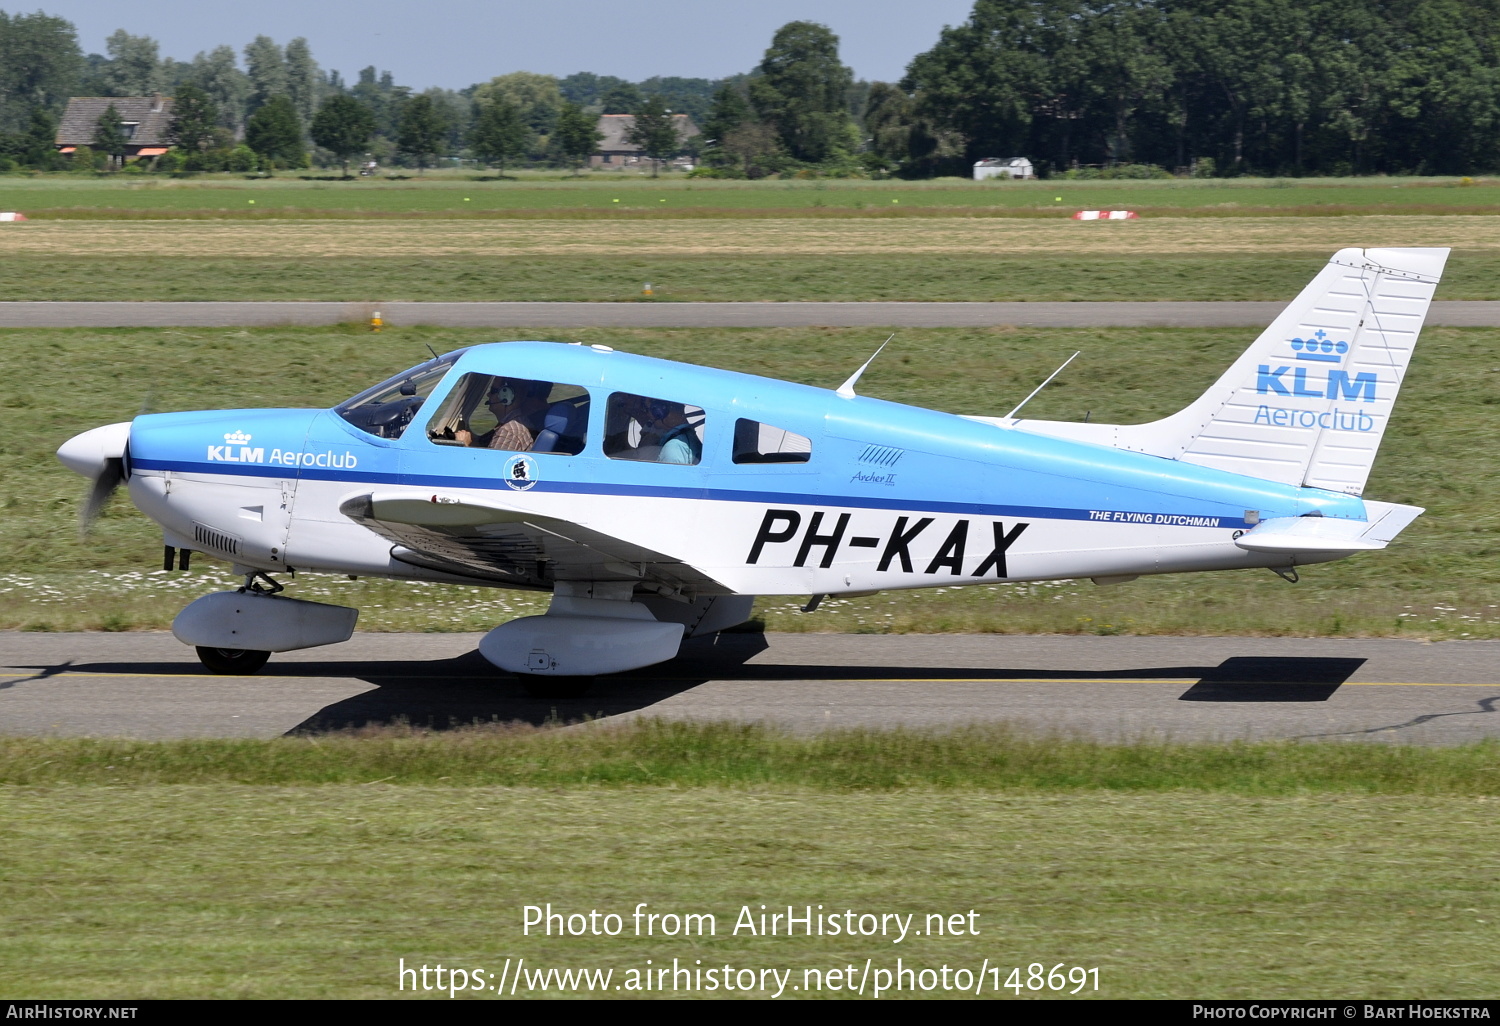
239,661
555,687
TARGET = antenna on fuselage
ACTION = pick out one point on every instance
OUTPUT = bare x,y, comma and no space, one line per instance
847,388
1012,414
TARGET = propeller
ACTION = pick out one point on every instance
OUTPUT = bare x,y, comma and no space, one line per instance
103,487
100,455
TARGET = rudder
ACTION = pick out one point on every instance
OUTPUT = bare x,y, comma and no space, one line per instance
1309,401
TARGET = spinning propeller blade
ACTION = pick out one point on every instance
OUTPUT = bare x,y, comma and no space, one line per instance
110,476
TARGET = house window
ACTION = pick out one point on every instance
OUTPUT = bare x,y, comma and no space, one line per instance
127,128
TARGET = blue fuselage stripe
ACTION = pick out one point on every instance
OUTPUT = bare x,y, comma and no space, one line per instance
354,477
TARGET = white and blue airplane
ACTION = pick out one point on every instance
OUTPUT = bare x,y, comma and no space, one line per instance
655,500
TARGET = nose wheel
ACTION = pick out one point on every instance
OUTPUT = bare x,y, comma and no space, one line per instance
239,661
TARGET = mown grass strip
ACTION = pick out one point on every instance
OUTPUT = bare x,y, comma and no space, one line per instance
655,753
855,210
316,892
1213,277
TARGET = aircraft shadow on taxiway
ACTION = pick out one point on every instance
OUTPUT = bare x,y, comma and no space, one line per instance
447,693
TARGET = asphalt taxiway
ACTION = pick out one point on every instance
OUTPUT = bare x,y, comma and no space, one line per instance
147,685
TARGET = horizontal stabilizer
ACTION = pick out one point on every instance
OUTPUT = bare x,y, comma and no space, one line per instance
1291,535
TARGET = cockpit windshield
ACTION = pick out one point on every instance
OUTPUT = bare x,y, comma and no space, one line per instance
386,409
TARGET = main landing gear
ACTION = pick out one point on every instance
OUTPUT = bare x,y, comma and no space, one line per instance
237,661
241,661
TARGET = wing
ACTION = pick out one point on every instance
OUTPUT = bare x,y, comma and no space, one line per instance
512,546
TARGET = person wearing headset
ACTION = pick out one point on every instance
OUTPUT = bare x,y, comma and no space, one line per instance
518,408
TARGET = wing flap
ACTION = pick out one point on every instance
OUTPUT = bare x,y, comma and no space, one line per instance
511,545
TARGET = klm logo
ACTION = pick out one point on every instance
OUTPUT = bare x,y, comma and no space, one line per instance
1316,383
1335,384
236,440
1338,384
1320,348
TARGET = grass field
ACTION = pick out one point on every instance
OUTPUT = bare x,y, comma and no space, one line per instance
307,868
1436,581
451,194
598,238
956,259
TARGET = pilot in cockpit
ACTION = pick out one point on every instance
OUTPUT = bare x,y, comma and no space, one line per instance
518,408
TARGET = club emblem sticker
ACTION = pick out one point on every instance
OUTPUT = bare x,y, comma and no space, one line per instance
520,472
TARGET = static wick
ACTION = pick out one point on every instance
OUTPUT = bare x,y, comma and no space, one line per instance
1012,414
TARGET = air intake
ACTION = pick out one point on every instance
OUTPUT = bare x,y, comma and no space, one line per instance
218,541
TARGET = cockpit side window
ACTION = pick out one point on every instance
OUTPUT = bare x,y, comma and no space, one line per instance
386,409
755,442
510,414
648,430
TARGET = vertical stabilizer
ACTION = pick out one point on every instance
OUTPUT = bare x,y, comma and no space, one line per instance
1309,402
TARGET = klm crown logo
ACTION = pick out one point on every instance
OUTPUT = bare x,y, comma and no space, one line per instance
237,438
1320,348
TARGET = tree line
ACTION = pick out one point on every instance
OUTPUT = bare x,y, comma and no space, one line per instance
1238,86
1137,87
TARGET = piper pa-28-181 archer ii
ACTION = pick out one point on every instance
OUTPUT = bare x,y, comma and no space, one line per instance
655,500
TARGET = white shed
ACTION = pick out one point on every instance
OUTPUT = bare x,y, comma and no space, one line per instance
1003,167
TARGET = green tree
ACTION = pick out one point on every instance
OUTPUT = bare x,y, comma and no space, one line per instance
217,73
274,133
802,92
304,80
384,97
40,66
134,67
537,97
577,134
728,111
889,114
266,65
424,130
621,98
654,130
109,135
39,146
498,135
754,148
194,120
343,126
585,88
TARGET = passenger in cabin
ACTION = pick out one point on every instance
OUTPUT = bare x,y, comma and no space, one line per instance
679,439
519,407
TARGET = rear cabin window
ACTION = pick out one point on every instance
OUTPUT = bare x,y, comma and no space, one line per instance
508,414
755,442
639,427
